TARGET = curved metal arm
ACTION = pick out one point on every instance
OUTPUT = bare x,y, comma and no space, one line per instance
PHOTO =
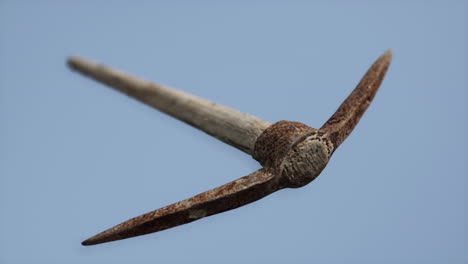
227,197
346,117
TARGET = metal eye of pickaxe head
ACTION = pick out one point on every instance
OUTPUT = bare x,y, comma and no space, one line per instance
292,154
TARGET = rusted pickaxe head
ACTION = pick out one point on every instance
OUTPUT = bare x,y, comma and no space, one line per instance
292,154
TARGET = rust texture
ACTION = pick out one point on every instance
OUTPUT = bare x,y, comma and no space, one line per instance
227,197
274,143
292,155
294,151
346,117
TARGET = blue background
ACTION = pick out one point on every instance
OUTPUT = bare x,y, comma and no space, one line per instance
77,157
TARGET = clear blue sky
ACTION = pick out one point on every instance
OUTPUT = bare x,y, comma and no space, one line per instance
77,157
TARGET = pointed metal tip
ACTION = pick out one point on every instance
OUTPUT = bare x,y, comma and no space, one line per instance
100,238
387,56
389,52
111,234
87,242
382,63
96,239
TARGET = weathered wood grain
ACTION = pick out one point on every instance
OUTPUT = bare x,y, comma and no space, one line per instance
237,129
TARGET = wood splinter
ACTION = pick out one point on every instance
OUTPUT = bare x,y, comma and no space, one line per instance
292,154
